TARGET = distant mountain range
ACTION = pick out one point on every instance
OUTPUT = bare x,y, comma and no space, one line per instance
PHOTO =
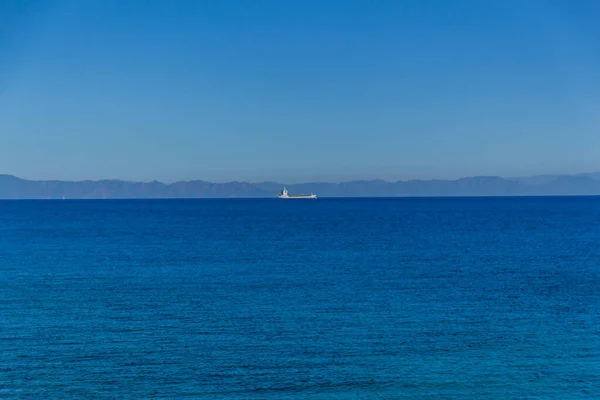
12,187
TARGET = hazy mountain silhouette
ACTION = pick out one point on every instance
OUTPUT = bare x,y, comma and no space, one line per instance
12,187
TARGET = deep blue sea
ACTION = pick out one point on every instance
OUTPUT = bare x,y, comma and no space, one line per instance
439,298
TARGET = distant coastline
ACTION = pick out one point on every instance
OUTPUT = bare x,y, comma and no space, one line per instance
12,187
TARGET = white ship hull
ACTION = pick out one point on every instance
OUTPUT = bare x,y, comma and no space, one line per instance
285,195
306,196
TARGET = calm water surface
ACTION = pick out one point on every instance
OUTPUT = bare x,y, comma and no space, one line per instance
328,299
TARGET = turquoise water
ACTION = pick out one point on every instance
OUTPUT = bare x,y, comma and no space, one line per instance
328,299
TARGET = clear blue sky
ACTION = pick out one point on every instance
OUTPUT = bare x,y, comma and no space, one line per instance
298,90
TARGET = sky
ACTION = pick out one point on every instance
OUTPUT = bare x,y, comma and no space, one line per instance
298,90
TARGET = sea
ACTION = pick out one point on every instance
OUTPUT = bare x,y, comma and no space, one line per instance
404,298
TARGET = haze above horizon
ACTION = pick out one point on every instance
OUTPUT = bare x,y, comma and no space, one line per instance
298,91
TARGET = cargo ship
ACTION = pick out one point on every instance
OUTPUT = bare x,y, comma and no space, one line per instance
285,195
